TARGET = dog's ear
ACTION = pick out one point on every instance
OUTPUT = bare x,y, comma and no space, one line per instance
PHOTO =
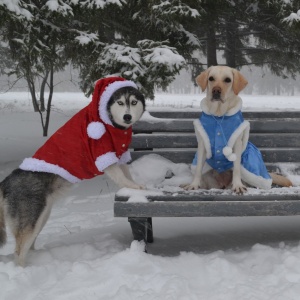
202,79
239,81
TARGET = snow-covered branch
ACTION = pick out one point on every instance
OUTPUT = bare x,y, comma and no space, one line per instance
18,7
84,38
99,3
59,6
168,8
293,18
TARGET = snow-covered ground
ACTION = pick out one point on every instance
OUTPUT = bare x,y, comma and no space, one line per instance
83,252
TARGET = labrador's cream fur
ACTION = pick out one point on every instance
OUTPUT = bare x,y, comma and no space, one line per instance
222,85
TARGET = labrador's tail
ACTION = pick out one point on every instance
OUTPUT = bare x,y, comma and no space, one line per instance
280,180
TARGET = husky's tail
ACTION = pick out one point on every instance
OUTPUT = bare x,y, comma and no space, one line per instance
2,222
280,180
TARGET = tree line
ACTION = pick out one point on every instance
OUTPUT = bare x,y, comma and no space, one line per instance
148,42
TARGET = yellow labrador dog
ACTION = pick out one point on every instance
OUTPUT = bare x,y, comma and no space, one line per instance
224,155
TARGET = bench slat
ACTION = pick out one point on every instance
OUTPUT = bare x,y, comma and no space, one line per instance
247,114
208,209
188,140
185,125
269,155
218,195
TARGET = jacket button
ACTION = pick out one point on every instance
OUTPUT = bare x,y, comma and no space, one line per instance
218,133
125,132
123,145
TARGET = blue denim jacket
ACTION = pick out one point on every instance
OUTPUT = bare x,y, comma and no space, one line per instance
219,132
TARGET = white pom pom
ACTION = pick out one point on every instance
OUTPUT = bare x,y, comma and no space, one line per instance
227,151
232,157
95,130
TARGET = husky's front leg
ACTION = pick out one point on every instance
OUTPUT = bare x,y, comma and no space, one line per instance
117,175
237,185
126,171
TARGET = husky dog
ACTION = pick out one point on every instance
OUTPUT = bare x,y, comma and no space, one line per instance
93,142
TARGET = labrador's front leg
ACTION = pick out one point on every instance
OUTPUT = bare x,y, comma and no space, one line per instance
201,154
237,185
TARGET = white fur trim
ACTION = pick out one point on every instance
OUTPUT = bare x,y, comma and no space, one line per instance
231,157
104,98
95,130
227,151
254,180
231,112
105,160
37,165
125,157
200,132
243,128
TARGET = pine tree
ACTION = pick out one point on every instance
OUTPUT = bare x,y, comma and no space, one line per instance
143,41
36,39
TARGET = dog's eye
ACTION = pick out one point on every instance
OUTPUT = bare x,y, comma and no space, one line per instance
120,103
227,79
211,78
134,102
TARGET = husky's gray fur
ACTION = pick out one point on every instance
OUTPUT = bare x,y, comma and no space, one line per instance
26,200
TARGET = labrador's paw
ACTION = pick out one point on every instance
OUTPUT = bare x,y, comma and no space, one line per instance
190,187
239,189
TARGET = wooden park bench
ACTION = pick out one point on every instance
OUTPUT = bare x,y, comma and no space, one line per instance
276,134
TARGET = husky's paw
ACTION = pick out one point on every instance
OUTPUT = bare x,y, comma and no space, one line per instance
141,187
19,261
136,186
239,189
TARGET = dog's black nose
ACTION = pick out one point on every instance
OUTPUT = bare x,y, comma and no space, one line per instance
127,118
216,93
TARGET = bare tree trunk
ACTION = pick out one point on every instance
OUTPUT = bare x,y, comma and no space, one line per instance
51,88
45,122
42,93
230,45
32,92
211,46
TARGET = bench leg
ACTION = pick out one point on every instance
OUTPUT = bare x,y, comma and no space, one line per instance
141,229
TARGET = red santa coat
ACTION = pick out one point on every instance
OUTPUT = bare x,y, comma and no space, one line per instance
88,143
